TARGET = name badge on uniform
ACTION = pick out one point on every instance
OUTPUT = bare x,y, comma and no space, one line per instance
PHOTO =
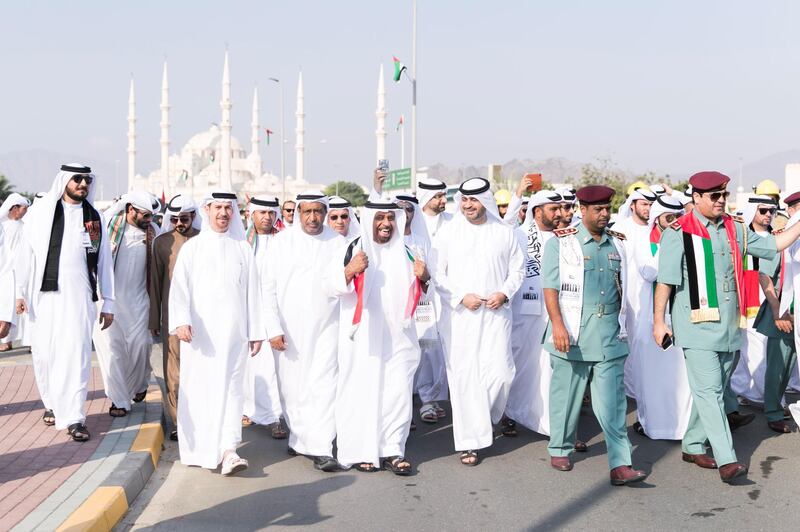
614,256
86,240
425,318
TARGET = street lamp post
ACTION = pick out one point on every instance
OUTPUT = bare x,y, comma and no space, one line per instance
283,152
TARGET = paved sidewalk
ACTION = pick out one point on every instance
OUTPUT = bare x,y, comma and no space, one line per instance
44,475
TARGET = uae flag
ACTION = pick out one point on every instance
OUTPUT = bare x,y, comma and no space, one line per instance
399,67
399,123
268,132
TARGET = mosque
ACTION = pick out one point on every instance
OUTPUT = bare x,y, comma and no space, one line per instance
214,158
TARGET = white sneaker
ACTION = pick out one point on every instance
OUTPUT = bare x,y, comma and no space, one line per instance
233,463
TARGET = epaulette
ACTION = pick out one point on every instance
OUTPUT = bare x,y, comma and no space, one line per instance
616,234
676,225
565,231
737,218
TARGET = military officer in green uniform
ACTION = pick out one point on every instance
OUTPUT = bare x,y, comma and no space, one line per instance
582,272
781,349
703,265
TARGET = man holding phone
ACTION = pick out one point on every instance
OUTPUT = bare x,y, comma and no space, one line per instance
701,257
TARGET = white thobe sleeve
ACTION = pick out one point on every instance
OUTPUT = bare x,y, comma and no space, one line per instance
256,329
643,260
269,289
7,285
516,268
447,289
513,210
180,290
335,281
23,262
105,275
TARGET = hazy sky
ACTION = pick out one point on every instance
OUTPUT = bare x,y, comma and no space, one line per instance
667,86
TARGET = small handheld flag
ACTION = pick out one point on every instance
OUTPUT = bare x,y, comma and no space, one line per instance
399,67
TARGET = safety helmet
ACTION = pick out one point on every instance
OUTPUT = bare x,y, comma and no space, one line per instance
768,187
635,185
502,197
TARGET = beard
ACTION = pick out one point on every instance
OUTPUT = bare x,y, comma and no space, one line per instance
77,195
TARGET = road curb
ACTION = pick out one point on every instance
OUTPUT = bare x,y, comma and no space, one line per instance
108,503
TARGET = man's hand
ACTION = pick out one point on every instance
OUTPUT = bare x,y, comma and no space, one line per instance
472,302
378,177
255,347
421,271
155,332
496,300
278,343
524,184
560,337
106,319
660,330
185,333
667,188
21,306
5,326
358,263
784,324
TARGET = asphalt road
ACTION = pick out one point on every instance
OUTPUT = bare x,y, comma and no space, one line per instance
513,488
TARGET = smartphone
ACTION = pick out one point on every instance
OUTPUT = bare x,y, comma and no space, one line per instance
383,164
666,343
536,182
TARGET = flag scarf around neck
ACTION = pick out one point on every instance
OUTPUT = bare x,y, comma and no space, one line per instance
394,260
262,203
703,296
752,288
570,294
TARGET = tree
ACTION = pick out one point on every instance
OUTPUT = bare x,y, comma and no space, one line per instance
605,172
6,187
350,191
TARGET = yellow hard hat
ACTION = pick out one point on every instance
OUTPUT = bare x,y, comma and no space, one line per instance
635,185
502,197
768,187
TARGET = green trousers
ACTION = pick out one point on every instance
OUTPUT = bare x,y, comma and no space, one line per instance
781,354
729,396
608,402
709,373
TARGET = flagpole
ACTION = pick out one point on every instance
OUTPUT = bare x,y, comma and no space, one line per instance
283,152
414,99
402,145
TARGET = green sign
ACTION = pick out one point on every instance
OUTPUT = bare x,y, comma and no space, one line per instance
398,179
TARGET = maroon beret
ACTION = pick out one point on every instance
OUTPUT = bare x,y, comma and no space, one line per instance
792,199
702,181
594,194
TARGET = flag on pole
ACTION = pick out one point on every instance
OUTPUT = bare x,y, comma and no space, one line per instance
399,67
268,132
399,123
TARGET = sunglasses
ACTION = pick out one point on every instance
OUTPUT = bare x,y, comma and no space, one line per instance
335,217
715,196
767,210
181,219
78,178
143,214
671,218
288,210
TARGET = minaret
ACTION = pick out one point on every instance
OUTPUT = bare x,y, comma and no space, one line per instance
380,115
165,128
225,126
299,143
131,137
255,138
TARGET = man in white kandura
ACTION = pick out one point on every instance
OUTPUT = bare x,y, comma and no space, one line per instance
528,399
303,327
124,348
432,194
663,396
262,402
632,221
430,382
8,313
378,350
479,266
342,219
215,311
66,260
13,209
747,380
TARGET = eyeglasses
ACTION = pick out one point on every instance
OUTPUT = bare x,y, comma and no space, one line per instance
143,214
715,196
182,219
671,218
335,217
767,210
288,210
78,178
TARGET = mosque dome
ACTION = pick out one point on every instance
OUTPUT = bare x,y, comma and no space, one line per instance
208,142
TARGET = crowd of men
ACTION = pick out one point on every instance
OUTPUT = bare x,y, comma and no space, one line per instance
322,325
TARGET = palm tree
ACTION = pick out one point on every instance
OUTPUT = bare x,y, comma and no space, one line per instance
6,187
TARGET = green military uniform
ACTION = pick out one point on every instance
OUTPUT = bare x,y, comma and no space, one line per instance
599,353
709,347
781,351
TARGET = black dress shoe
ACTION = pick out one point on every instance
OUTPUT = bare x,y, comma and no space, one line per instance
173,435
779,426
736,420
291,451
326,463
